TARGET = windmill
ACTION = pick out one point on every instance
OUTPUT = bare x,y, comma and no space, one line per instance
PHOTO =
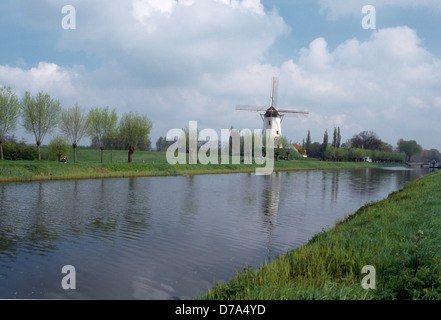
272,117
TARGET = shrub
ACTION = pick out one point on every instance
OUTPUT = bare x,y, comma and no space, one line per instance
19,151
57,148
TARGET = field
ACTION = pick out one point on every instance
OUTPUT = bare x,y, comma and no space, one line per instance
398,237
145,163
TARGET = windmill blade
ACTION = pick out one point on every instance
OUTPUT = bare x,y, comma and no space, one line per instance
251,108
292,111
294,114
275,92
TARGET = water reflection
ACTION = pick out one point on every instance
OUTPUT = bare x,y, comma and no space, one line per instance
189,209
168,237
270,206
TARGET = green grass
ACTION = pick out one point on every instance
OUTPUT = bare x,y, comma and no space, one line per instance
145,163
399,236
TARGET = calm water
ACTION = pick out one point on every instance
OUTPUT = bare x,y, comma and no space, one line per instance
168,237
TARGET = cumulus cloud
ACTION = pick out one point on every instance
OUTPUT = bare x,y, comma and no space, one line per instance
172,41
45,77
381,84
185,60
388,84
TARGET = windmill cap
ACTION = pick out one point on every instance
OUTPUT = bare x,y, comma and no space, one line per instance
271,112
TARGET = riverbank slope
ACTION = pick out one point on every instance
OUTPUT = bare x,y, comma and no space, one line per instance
397,237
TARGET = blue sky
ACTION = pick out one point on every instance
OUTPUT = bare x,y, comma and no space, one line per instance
194,60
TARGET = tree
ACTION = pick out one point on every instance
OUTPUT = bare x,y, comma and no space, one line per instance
159,144
101,125
410,148
280,143
134,129
74,125
324,144
334,138
315,150
162,144
366,140
341,154
40,115
356,154
428,156
9,113
58,146
308,143
330,153
338,140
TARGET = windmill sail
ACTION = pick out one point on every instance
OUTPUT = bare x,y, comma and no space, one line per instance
271,116
274,92
272,108
251,108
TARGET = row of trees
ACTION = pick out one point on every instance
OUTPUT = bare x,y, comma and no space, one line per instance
358,154
427,156
361,145
42,114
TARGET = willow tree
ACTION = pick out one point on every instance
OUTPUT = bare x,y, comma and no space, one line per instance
74,125
9,113
101,125
40,116
133,130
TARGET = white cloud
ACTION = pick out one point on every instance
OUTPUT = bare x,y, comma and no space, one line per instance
144,9
389,81
159,59
175,40
317,56
45,77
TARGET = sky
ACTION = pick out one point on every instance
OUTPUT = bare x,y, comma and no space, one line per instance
194,60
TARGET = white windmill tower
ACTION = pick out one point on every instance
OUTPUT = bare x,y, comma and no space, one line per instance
272,117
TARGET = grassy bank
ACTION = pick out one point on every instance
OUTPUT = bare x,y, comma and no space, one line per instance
145,164
399,236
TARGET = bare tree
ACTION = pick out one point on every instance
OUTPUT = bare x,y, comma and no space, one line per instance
9,113
366,140
74,125
40,115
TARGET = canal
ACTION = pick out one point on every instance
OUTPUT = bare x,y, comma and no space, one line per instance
168,237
